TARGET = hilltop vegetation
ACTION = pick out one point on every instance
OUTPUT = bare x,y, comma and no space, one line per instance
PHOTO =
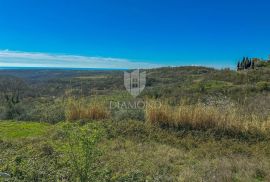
209,125
252,63
28,97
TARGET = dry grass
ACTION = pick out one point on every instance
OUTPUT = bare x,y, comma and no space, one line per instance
78,109
202,117
196,117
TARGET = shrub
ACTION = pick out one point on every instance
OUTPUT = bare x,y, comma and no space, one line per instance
13,112
84,152
136,114
50,111
263,85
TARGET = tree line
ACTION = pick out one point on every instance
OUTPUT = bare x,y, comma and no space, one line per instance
246,63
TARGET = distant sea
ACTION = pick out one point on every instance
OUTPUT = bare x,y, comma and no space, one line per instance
57,68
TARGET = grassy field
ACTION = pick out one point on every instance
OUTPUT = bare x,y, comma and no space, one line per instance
212,125
132,151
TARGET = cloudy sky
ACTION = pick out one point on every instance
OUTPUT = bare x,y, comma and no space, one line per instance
30,59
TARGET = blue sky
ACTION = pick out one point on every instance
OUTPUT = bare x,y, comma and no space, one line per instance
132,33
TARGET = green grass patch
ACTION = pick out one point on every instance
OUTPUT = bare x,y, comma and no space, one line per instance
17,130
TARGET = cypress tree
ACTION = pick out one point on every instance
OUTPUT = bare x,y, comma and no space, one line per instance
245,63
238,66
249,63
242,64
252,64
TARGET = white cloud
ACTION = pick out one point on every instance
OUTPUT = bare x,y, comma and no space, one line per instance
33,59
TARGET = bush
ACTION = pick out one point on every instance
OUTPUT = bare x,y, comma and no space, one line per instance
137,114
12,112
50,112
263,85
84,152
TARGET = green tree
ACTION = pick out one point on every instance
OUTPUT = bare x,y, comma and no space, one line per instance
11,91
238,66
252,64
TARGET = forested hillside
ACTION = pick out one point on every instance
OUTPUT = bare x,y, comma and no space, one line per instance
196,124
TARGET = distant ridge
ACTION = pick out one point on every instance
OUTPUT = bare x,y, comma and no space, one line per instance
56,68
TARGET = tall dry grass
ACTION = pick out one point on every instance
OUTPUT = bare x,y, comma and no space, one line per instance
203,117
92,110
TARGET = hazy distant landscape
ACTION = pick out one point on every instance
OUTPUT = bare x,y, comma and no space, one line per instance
210,125
134,91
